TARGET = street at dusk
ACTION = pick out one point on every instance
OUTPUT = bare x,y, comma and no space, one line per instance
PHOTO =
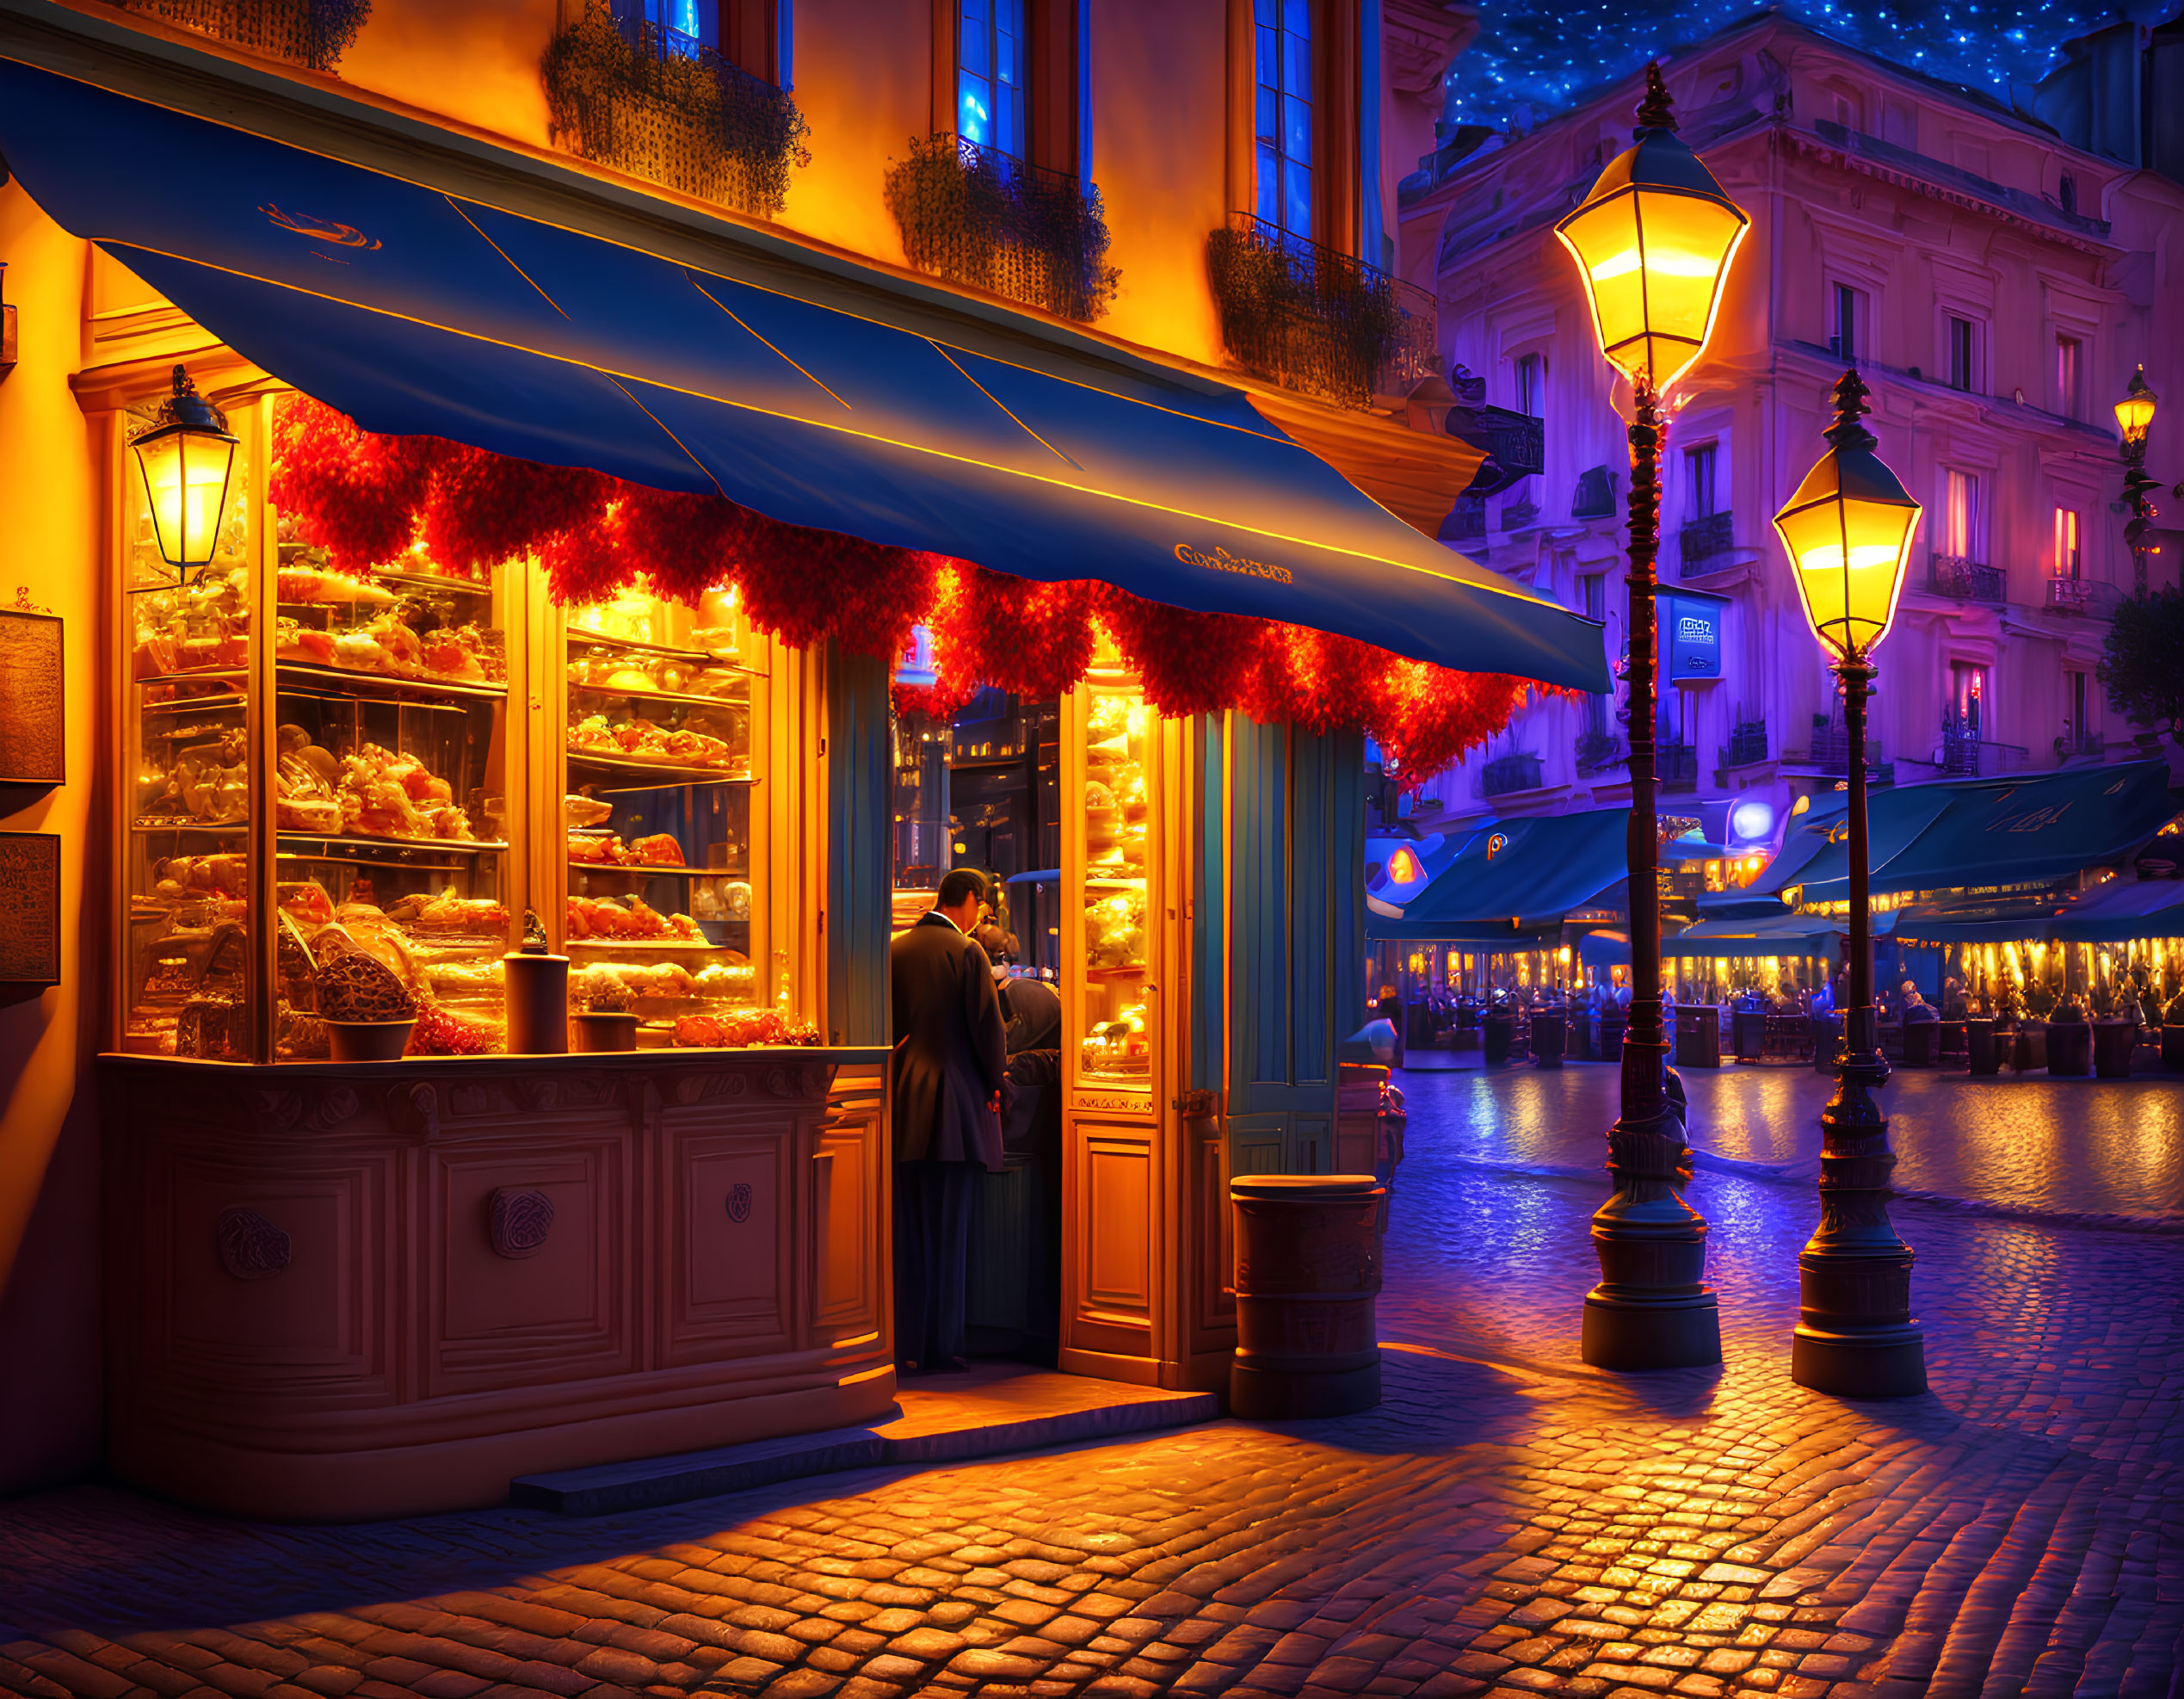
854,849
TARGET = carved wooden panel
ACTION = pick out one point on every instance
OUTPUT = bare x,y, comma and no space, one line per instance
223,1309
849,1183
729,1200
1111,1242
560,1311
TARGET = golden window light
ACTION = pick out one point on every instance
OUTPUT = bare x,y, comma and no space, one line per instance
1848,531
185,459
1653,243
2135,412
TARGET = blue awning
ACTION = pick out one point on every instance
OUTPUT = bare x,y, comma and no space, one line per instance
1513,880
419,312
1734,940
2113,913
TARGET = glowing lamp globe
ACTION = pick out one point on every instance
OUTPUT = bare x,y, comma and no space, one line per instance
185,459
1653,243
1849,532
2135,412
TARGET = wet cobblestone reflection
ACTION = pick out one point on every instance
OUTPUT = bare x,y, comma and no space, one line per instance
1508,1522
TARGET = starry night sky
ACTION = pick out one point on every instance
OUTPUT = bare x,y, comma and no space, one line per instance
1532,61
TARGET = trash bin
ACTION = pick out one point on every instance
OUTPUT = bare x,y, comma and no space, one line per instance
1610,1025
1698,1035
1750,1027
1550,1038
2070,1048
1922,1043
2173,1047
1501,1032
1307,1272
2112,1042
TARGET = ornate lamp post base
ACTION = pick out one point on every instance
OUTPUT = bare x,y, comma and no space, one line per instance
1888,1363
1652,1308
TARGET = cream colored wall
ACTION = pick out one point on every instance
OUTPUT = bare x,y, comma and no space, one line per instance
863,76
49,1331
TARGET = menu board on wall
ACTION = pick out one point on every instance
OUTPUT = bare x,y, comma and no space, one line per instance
29,908
33,704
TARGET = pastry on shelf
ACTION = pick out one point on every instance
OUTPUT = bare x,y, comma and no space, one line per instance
182,877
632,920
479,916
384,795
604,849
740,1027
594,849
585,811
205,782
735,977
314,584
643,740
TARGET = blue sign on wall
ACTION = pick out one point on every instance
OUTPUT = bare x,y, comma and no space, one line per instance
1692,633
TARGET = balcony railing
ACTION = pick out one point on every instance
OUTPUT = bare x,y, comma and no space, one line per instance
984,217
2081,746
1831,754
2068,596
1310,318
1515,445
1675,767
313,34
628,94
1965,580
1968,756
1747,744
1599,752
1507,772
1704,544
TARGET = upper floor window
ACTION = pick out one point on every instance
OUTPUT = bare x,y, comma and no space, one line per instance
1846,322
1532,384
681,27
2069,351
1964,353
2066,542
1700,498
1283,122
990,58
2067,192
1960,516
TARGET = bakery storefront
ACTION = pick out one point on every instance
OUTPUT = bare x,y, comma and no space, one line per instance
507,796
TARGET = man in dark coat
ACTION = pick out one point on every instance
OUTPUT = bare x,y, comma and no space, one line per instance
951,1055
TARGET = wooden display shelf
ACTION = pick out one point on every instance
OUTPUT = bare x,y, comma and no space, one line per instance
666,773
348,683
366,840
688,698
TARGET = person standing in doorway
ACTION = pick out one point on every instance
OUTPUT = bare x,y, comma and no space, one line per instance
951,1056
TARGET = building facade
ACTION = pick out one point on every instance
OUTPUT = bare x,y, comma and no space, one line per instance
1996,288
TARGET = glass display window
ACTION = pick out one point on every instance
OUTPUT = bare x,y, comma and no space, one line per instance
1116,733
666,915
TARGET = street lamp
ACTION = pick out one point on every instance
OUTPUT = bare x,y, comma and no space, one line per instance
184,459
1849,532
1653,243
2134,415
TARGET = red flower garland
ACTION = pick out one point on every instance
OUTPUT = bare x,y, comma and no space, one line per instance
365,498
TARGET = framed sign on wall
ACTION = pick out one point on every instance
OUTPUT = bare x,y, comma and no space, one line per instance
33,699
29,912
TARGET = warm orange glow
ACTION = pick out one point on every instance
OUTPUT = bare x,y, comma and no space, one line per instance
1403,866
184,460
2135,412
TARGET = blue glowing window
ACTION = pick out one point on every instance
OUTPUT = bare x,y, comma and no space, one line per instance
682,26
1283,117
989,75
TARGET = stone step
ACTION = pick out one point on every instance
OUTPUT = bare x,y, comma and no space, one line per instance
992,1410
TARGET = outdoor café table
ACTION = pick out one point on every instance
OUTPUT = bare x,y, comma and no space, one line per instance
1922,1043
1750,1027
1952,1037
1789,1035
1984,1045
2113,1041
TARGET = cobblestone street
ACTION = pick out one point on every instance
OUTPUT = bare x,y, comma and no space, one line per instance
1508,1521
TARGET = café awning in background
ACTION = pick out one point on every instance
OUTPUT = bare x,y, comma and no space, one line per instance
1512,882
418,311
1793,934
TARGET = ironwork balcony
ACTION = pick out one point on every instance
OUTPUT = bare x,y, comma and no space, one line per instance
626,93
313,34
1675,767
1599,752
1747,744
984,217
1311,319
1831,754
1965,580
2068,596
1507,772
1704,544
1976,757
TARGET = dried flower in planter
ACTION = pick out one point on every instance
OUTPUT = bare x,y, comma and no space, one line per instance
356,987
313,34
